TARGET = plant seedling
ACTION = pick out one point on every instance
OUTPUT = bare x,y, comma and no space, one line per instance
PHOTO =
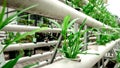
71,44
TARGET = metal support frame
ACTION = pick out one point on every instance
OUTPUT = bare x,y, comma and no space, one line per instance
98,61
85,38
35,39
103,66
98,64
113,51
76,27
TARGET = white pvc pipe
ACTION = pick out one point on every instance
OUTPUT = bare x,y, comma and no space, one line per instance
87,61
29,45
2,35
92,43
23,28
32,45
92,38
54,9
2,38
2,32
23,59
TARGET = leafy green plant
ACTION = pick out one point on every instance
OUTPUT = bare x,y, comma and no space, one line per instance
22,36
72,48
25,22
6,21
98,10
42,25
106,36
10,36
117,58
16,39
74,3
72,43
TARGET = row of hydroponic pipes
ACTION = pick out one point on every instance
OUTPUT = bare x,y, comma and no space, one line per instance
90,21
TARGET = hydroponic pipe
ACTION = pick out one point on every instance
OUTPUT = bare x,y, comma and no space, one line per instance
33,57
54,9
37,56
29,45
19,46
87,61
23,28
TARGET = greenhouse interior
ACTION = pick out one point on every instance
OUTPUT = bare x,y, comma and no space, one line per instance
59,34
